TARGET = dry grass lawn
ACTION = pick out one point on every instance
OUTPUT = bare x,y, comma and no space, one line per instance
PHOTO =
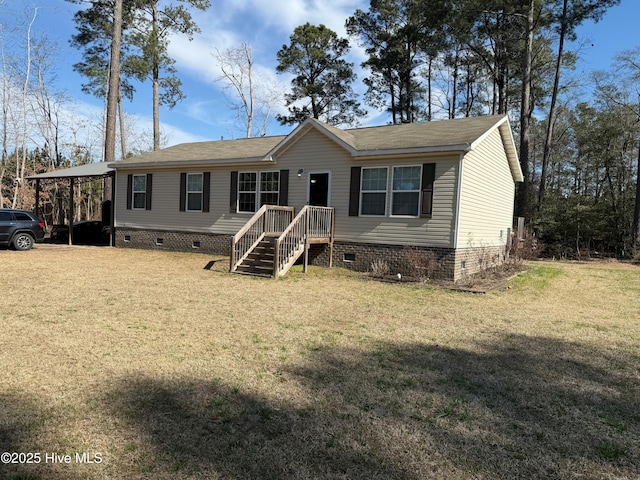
161,369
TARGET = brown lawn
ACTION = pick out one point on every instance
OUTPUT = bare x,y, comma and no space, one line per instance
154,367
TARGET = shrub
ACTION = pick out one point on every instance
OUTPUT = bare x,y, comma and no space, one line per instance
419,263
379,268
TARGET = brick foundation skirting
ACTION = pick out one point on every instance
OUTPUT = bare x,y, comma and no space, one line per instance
173,241
445,263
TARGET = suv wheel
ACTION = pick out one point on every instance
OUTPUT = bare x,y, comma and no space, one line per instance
23,241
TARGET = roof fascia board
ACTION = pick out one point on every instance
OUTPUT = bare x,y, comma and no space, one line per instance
512,151
299,132
504,128
488,132
195,163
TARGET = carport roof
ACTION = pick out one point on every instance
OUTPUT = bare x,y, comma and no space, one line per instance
99,169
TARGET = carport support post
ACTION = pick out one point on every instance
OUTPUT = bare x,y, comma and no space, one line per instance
71,186
36,209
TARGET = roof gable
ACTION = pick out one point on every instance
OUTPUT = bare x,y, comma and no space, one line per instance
455,135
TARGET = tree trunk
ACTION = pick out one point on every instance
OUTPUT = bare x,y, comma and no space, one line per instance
114,85
21,161
5,114
249,59
429,89
552,110
156,81
522,206
454,95
636,211
123,139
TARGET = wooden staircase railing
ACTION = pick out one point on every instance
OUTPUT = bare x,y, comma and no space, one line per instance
270,219
312,225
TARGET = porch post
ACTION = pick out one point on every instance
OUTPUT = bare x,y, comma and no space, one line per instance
37,206
71,213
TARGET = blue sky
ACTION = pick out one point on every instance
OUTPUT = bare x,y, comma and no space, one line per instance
265,25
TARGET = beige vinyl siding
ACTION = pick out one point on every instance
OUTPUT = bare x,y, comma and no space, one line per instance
165,213
486,201
315,153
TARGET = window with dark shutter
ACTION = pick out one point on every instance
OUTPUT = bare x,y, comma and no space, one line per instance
283,197
428,179
129,191
354,192
148,193
233,196
183,192
206,191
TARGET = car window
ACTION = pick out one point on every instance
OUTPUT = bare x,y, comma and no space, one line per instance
5,217
22,217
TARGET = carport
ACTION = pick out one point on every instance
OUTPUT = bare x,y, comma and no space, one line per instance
88,171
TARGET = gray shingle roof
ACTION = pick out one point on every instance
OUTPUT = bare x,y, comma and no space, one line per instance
219,151
442,135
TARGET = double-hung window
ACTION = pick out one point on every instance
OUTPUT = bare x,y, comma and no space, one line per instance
139,191
194,192
256,189
373,191
247,185
405,190
269,188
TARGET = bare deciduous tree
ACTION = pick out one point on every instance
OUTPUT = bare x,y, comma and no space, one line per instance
255,97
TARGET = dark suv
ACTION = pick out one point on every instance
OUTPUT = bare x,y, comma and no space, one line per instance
20,228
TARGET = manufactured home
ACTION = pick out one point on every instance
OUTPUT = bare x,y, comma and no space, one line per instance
346,198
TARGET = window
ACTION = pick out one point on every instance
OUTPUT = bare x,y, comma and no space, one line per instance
405,190
269,188
247,191
374,191
410,188
194,192
253,194
139,192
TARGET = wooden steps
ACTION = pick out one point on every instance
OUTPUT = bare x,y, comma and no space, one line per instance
260,260
273,239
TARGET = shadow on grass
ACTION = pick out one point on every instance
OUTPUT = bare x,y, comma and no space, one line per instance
526,407
22,419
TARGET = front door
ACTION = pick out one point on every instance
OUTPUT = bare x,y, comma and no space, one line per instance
319,189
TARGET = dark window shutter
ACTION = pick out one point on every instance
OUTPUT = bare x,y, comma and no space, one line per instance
428,178
183,191
233,197
354,192
206,191
129,191
283,196
147,202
